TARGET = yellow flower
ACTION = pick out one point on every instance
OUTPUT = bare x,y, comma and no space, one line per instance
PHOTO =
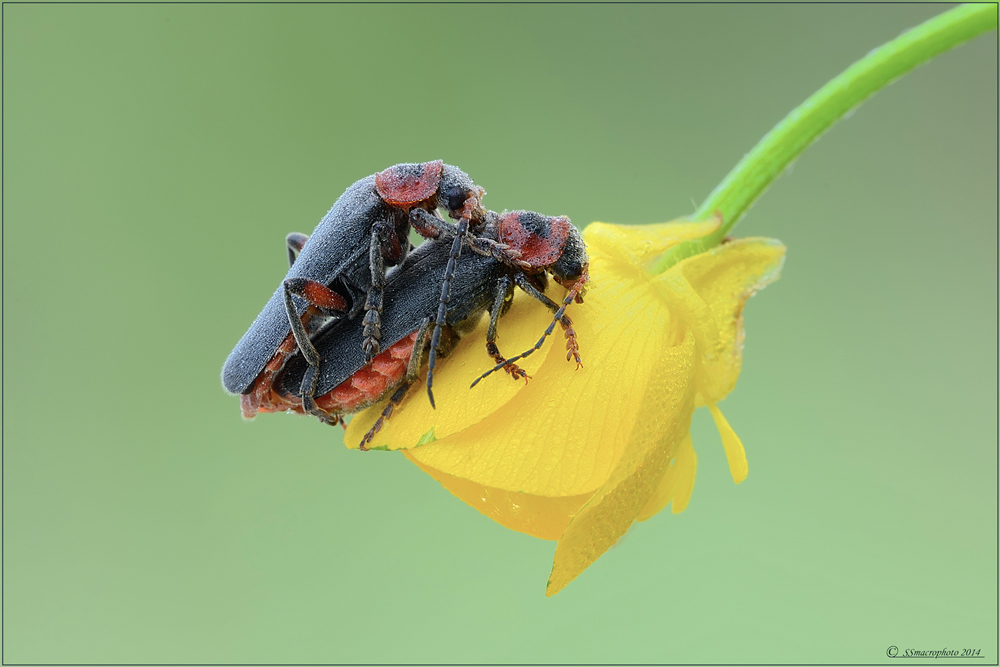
578,455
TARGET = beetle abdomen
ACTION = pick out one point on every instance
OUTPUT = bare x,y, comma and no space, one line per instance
370,384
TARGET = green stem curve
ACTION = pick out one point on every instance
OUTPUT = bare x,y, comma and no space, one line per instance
779,147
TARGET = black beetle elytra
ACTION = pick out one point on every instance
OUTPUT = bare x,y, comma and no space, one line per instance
517,248
340,269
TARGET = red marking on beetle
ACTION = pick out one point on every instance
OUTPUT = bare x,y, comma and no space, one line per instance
262,397
345,394
535,250
365,387
387,367
324,297
400,186
370,383
401,351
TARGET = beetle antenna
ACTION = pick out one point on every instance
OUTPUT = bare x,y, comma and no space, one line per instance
559,317
472,209
449,273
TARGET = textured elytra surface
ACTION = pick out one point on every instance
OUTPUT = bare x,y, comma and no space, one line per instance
372,382
337,249
412,294
337,253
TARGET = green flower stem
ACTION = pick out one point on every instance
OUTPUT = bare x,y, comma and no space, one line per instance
754,173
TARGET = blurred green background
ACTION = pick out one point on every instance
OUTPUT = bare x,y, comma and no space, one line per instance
154,158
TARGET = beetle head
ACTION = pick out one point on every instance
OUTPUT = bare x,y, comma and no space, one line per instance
460,196
547,244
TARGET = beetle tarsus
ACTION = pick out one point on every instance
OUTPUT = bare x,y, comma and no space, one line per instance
560,316
308,390
499,251
512,369
373,335
430,392
382,234
515,371
395,400
572,346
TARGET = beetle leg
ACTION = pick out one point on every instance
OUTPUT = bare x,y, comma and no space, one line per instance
501,252
572,347
326,299
505,292
308,391
417,355
381,232
397,398
317,294
429,225
560,316
412,370
294,242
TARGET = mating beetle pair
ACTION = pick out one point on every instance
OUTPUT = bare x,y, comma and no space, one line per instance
435,293
342,269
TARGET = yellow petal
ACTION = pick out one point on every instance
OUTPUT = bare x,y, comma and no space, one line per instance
735,454
581,454
687,467
414,423
538,516
637,245
665,416
679,476
562,434
708,292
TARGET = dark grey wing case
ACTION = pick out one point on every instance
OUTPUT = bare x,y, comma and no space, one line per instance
413,291
337,250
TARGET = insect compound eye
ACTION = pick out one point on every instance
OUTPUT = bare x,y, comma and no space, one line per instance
456,200
540,239
409,183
